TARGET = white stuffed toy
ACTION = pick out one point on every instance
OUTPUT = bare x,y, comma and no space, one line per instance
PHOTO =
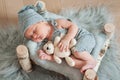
51,48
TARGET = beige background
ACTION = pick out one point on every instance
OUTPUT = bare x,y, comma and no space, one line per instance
9,8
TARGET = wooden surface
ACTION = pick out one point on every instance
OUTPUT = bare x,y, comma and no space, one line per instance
9,8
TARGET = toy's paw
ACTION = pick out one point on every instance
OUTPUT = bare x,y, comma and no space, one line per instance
23,58
70,61
57,59
40,6
90,74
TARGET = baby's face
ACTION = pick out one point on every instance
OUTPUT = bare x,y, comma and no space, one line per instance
37,32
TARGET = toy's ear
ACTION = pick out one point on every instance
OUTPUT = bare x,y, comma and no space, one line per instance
72,43
62,35
49,42
57,40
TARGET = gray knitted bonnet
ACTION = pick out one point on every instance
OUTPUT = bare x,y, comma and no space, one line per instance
28,16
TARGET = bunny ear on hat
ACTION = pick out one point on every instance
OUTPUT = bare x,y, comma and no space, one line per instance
41,6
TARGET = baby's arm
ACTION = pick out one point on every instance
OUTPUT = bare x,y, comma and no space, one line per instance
72,30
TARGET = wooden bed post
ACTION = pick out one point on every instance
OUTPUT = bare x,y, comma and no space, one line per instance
23,58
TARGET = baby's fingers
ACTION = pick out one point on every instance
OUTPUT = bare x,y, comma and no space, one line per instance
60,44
61,48
39,51
66,48
43,57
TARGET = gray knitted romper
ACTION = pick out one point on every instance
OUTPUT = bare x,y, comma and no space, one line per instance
85,40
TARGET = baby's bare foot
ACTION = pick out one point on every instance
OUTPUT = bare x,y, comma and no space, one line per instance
88,65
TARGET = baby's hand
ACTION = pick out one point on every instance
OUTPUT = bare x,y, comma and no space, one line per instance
63,45
42,55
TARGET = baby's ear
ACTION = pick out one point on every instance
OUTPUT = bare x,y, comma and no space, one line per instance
41,6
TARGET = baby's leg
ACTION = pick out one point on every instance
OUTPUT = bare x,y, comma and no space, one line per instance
85,44
78,63
88,62
89,74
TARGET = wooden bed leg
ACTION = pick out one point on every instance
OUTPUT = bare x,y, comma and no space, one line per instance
23,58
109,30
91,73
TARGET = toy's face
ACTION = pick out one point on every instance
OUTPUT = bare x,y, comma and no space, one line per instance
48,48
